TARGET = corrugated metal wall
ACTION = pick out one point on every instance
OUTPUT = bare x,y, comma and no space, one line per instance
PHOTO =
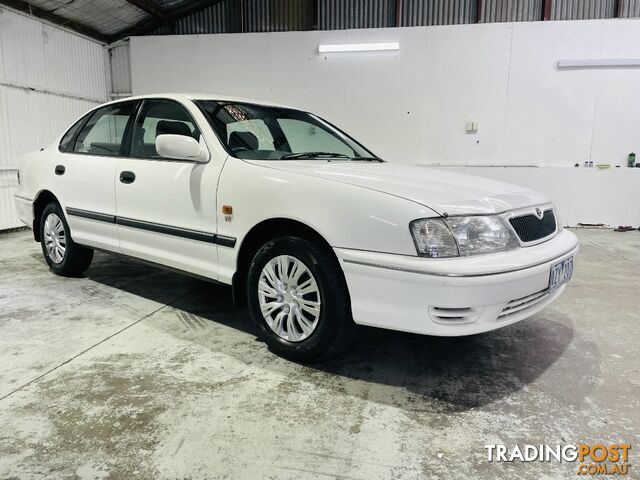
437,12
582,9
221,17
277,15
629,8
341,14
511,11
230,16
48,78
120,69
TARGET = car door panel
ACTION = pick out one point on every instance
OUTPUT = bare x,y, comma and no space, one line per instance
166,209
83,177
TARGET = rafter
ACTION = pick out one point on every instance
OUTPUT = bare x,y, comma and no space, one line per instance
150,7
42,14
150,24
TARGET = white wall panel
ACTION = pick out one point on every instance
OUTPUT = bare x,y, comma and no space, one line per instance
582,195
32,120
40,55
416,101
616,130
8,184
411,106
549,119
48,78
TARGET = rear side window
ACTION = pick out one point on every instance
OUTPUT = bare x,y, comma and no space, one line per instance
65,143
159,117
103,133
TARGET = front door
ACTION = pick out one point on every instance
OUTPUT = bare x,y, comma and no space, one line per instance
166,209
84,175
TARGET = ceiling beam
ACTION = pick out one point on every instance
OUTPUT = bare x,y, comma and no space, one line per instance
24,7
150,7
150,24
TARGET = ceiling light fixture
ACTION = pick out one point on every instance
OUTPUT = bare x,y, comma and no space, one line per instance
599,62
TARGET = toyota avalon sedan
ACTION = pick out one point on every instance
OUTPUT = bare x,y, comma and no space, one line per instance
311,229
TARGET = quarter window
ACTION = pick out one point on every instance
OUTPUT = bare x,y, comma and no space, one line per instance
103,133
65,143
159,117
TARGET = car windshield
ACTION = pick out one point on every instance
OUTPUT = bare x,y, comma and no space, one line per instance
258,132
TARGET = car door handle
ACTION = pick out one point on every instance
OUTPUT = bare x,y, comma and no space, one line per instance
127,177
60,170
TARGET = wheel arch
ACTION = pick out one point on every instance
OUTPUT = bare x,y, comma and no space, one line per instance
42,199
258,236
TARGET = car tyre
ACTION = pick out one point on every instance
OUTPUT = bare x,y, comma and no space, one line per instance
62,254
310,336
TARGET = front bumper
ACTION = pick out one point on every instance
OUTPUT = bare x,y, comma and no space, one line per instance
452,297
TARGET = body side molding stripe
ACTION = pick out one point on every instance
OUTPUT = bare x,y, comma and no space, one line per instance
225,241
101,217
155,227
167,229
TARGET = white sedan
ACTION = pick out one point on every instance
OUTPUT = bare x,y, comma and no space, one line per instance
310,228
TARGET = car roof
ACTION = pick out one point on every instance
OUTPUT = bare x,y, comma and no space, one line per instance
201,96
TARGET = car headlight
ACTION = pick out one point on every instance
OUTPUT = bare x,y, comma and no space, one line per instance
462,236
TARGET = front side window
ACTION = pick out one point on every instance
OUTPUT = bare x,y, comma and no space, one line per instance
160,117
103,133
258,132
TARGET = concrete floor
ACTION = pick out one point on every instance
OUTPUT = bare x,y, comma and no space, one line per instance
133,372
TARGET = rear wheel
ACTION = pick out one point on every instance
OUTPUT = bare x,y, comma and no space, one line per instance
299,299
62,254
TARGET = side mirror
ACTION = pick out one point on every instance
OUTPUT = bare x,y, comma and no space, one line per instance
181,147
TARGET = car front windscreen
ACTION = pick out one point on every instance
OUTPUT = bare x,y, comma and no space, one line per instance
258,132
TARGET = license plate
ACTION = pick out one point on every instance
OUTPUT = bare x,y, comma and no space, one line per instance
560,273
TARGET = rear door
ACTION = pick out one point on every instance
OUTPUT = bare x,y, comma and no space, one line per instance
85,174
167,208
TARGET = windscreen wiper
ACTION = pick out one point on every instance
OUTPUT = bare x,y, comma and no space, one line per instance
367,159
293,156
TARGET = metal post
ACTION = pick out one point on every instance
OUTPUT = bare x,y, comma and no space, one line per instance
547,10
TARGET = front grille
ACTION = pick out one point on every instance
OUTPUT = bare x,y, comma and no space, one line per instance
531,228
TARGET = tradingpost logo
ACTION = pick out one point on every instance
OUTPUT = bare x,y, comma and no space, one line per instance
591,459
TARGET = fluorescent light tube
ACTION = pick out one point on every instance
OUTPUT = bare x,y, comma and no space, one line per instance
599,62
359,47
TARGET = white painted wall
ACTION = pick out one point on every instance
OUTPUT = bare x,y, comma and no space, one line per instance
411,106
48,77
582,195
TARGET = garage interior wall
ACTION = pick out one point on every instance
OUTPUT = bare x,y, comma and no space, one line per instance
48,78
412,105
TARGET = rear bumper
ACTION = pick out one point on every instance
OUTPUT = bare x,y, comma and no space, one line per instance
24,209
452,297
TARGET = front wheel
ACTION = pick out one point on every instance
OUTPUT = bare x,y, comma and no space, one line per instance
298,297
63,255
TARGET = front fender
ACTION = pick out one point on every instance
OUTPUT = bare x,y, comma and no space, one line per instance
346,216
